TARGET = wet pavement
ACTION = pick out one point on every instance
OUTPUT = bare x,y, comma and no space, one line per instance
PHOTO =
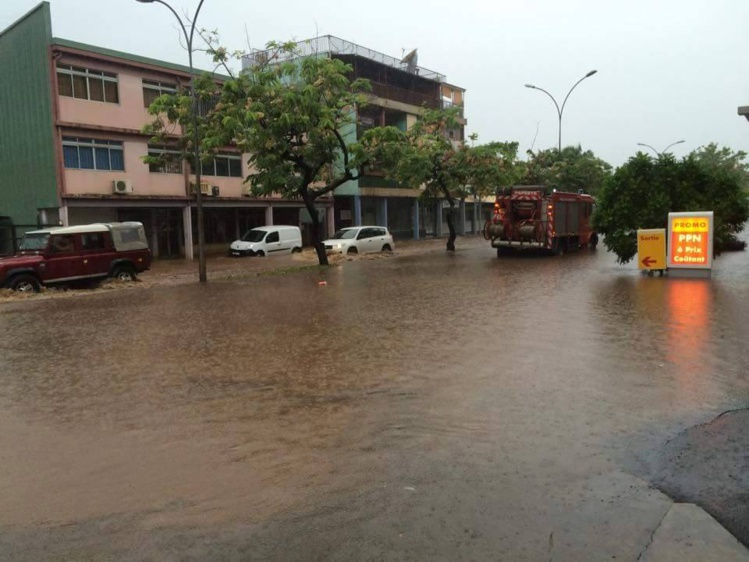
420,407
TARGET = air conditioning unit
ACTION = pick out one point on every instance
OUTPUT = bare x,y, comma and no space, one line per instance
122,187
205,187
216,191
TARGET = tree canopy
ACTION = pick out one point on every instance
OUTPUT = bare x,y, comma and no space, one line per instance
425,156
572,170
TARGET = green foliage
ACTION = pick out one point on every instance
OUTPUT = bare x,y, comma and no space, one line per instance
644,190
425,156
572,170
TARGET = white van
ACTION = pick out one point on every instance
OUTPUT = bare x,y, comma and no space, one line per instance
268,241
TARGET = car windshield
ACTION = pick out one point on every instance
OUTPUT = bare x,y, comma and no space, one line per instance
33,242
254,235
345,234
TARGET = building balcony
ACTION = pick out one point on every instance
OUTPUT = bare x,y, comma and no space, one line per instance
410,97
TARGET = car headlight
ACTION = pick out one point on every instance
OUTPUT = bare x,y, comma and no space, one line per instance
339,246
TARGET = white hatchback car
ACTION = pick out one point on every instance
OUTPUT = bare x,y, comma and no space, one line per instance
360,240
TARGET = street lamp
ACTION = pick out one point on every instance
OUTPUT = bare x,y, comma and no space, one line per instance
196,137
662,151
560,111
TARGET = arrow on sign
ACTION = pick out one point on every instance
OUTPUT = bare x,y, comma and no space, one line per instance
648,261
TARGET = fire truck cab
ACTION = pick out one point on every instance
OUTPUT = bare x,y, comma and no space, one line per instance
537,217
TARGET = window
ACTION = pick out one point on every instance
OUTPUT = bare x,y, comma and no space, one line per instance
92,154
272,237
63,244
85,84
152,90
93,241
170,161
224,165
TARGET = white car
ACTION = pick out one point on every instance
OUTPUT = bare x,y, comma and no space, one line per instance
360,240
268,241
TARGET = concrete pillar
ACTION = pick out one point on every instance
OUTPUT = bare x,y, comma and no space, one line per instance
382,211
461,217
269,215
357,210
64,220
330,220
187,226
154,235
416,219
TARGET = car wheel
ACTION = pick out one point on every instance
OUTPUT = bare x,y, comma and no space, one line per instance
352,250
387,248
260,254
124,273
296,250
25,284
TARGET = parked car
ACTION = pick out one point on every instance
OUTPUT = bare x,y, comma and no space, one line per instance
360,240
74,254
267,241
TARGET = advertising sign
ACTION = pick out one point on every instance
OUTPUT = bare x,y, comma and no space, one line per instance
651,248
690,240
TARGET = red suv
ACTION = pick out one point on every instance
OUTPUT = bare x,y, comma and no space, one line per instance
74,254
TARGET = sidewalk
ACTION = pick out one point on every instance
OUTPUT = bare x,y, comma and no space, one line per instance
165,272
688,534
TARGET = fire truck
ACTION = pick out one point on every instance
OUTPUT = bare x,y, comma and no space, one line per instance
537,217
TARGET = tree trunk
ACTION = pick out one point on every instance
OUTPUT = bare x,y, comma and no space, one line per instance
322,257
451,225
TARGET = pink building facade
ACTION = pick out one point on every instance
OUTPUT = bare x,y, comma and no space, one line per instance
100,100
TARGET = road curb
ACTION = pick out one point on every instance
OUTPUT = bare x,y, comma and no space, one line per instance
687,533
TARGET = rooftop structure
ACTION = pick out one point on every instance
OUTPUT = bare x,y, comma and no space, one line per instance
328,44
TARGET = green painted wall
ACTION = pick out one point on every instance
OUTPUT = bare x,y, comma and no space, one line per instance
27,162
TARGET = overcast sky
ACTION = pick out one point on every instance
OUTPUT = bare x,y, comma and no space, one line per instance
667,69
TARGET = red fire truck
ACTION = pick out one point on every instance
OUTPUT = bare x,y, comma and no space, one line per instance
537,217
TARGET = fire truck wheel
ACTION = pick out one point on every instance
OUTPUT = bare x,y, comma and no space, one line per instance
487,224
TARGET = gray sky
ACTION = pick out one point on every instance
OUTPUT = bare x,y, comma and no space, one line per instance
667,69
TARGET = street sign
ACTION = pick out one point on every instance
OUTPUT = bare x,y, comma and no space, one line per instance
690,237
651,248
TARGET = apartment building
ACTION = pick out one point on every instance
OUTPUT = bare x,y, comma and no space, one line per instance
73,150
400,89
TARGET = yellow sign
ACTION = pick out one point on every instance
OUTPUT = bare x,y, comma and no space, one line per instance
651,248
690,240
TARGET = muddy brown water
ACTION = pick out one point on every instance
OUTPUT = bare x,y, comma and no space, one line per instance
422,407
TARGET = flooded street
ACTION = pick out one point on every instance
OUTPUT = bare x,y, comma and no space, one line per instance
422,407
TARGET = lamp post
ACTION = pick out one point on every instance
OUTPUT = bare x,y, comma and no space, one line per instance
196,136
662,151
561,111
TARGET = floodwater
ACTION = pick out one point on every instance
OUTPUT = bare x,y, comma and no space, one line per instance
424,407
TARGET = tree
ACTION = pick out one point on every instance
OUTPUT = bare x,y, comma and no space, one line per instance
571,170
491,165
425,156
291,114
642,192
